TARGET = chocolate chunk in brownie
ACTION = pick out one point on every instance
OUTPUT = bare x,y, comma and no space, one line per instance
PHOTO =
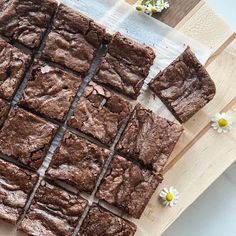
184,86
127,186
16,184
53,212
149,139
26,137
77,162
73,40
101,222
50,91
13,65
125,66
100,113
26,21
4,109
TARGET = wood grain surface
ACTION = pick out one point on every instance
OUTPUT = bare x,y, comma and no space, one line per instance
178,10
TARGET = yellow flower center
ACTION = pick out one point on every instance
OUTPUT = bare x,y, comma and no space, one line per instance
139,8
222,122
169,196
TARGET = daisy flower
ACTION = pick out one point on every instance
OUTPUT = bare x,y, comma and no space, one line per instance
169,196
222,122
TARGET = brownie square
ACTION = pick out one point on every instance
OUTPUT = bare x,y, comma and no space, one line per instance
16,184
26,21
149,139
101,222
26,137
73,40
13,65
4,109
125,66
50,91
184,86
127,186
53,212
100,113
77,162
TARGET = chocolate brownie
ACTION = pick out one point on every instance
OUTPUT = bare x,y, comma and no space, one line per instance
16,184
26,137
26,20
127,186
101,222
149,139
125,66
100,113
4,109
13,65
73,40
50,91
53,212
184,86
77,162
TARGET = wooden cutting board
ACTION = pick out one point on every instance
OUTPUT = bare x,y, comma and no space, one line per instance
202,155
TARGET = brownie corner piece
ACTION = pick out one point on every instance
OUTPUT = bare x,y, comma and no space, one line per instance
101,222
26,21
16,184
77,162
73,40
100,113
125,66
149,139
26,137
54,211
4,109
184,86
50,91
13,66
127,186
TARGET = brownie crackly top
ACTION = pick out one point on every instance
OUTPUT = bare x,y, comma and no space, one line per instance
13,65
15,186
125,66
54,211
127,186
26,137
149,139
100,113
101,222
26,20
4,109
77,162
184,86
73,40
50,91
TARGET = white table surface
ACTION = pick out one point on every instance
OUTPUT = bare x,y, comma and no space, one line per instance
214,212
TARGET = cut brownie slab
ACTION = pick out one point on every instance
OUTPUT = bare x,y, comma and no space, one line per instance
13,64
26,138
4,109
127,186
125,66
184,86
26,20
77,162
73,40
50,91
100,113
149,139
53,212
16,184
101,222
